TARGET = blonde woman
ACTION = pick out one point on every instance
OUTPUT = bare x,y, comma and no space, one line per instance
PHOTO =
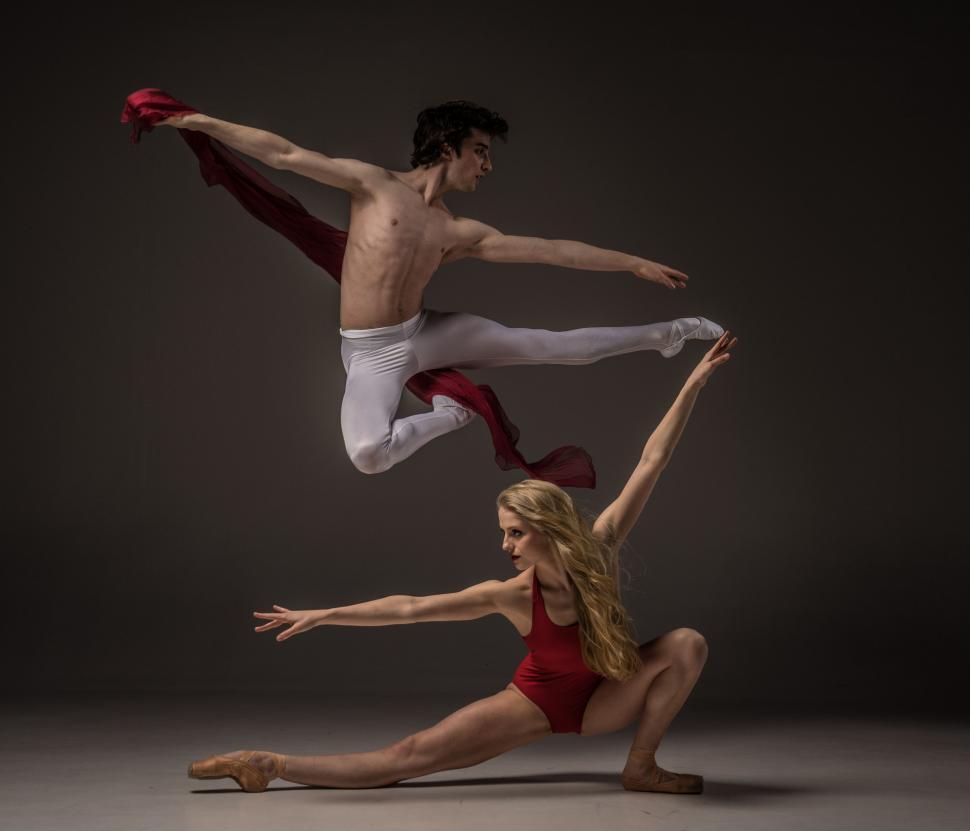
584,672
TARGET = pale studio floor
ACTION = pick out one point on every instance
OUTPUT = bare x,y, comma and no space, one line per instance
103,764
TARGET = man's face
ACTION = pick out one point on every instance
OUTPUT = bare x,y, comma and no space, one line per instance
474,161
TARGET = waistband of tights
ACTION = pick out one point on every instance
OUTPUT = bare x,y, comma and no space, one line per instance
387,334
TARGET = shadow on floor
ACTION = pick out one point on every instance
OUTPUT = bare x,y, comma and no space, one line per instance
537,779
738,793
741,793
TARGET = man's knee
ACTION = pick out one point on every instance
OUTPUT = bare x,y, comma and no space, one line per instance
369,456
581,345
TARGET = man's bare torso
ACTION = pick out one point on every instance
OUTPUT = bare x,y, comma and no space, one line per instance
395,243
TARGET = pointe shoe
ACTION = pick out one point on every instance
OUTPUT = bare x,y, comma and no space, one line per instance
661,781
668,783
691,328
249,777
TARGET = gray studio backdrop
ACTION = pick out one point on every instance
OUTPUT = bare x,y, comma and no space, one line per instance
176,456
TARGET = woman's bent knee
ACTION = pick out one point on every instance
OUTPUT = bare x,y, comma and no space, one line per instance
689,645
684,646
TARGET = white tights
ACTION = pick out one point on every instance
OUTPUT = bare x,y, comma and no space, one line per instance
380,361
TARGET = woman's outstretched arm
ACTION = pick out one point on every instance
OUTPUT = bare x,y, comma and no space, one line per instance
616,522
468,604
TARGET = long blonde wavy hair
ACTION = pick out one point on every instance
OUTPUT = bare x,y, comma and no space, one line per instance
605,628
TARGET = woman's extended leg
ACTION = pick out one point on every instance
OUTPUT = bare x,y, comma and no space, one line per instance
463,340
480,731
672,664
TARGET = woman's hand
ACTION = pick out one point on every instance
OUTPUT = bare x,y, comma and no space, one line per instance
297,621
718,354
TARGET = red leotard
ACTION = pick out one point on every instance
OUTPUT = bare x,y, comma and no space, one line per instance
553,676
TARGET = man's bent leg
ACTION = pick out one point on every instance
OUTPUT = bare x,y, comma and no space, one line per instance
374,439
469,341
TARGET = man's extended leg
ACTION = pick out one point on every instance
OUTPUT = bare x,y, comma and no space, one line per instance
463,340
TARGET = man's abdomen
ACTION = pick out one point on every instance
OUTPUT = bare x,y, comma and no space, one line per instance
378,300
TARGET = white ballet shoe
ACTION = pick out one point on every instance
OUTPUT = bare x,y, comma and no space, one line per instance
463,414
690,328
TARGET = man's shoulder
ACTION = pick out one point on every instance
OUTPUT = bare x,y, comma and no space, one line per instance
377,174
467,227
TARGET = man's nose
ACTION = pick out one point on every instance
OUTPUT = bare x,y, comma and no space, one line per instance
486,164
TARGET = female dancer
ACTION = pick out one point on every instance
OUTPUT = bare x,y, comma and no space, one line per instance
584,673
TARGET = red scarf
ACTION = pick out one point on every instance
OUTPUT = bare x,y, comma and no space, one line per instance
324,244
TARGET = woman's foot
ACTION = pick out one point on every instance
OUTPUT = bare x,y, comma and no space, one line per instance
643,774
690,328
253,770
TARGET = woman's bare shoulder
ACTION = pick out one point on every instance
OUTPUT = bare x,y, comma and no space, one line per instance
515,590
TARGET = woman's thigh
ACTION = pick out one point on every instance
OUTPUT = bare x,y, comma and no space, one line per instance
476,732
615,704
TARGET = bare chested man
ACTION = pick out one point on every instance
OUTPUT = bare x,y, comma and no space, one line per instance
400,233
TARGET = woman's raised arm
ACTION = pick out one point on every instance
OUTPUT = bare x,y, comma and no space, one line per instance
616,522
468,604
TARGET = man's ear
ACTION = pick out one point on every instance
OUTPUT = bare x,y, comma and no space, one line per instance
447,154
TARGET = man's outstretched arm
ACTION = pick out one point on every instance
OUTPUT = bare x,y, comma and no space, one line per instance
280,153
489,244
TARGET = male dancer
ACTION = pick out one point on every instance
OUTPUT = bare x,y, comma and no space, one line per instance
400,233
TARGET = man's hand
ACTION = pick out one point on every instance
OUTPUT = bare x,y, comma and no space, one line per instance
662,274
184,120
298,621
718,354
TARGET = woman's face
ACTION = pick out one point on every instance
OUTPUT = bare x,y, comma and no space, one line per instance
521,541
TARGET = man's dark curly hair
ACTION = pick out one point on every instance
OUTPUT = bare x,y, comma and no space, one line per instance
450,124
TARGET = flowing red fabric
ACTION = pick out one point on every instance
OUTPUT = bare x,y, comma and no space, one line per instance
324,244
